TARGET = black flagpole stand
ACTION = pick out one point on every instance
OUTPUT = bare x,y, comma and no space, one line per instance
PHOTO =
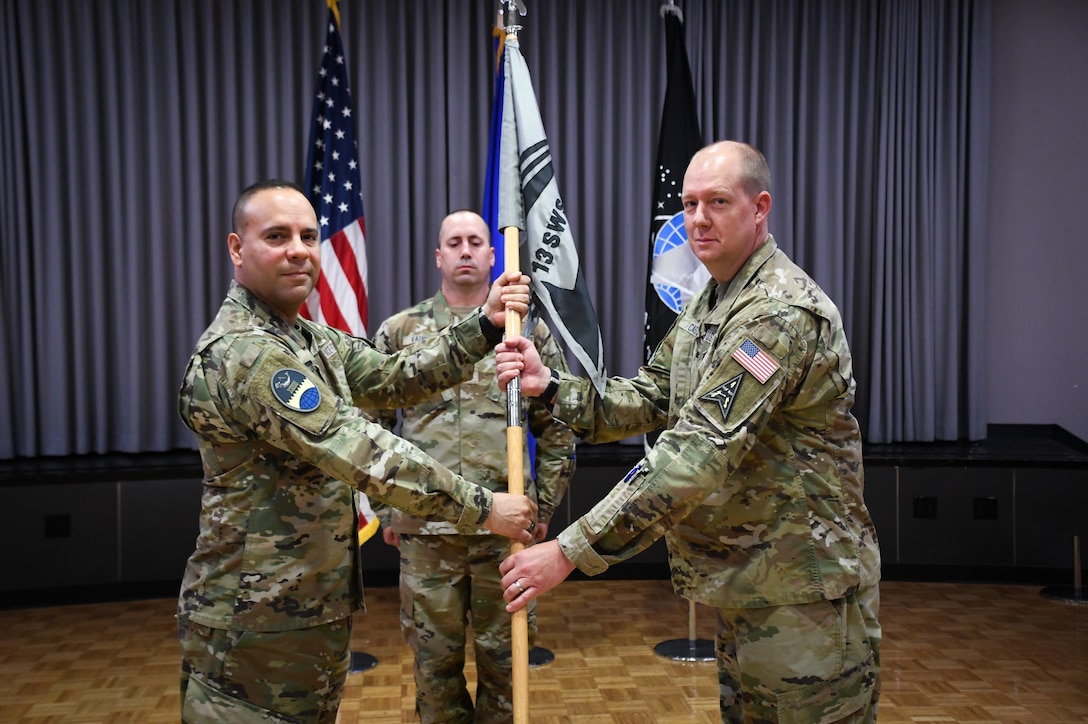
689,649
361,661
1065,593
539,656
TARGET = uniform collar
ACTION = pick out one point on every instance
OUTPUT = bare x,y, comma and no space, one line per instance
261,314
440,308
746,273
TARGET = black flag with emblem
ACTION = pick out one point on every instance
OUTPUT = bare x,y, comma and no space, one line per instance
674,275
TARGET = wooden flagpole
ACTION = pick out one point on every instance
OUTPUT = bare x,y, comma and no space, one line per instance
515,445
515,440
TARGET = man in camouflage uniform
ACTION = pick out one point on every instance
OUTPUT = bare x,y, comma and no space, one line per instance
756,481
448,579
264,616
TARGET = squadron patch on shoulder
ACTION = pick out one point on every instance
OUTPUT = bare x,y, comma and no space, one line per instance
295,390
724,395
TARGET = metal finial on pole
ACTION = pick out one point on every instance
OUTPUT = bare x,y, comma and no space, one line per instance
511,25
671,8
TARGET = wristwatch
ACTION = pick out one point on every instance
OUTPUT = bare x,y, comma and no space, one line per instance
491,333
549,393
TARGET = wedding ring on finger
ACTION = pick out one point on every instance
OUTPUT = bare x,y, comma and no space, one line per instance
517,584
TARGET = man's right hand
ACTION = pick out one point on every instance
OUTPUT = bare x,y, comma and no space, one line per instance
511,516
517,357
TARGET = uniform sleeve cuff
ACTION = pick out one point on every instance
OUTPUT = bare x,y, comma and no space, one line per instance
491,333
577,549
476,511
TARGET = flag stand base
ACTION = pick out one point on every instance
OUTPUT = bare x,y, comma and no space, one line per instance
361,662
1066,594
689,649
1069,594
686,649
540,656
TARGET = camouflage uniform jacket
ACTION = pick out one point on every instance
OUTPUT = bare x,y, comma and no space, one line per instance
757,480
277,544
463,427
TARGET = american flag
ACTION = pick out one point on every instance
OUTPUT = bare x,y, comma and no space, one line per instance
755,360
332,183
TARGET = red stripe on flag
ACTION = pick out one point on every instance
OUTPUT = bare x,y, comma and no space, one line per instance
345,253
333,186
330,310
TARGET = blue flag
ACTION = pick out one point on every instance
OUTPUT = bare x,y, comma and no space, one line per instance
490,207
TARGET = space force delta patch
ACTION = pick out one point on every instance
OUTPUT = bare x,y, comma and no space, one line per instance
724,395
295,390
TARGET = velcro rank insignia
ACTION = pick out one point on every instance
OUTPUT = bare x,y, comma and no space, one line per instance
295,390
725,394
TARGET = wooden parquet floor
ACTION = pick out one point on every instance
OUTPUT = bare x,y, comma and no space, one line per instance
952,653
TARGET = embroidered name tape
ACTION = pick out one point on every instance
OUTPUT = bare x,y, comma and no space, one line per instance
295,390
755,360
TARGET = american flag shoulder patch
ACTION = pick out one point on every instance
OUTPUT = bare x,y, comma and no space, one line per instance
755,360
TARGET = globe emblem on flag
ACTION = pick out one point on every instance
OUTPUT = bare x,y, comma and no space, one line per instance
677,275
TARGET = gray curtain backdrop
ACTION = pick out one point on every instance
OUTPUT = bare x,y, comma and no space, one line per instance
127,127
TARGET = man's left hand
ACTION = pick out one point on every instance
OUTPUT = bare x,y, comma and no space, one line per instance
529,573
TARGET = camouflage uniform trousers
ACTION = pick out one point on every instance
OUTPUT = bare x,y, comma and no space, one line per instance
262,676
813,663
446,583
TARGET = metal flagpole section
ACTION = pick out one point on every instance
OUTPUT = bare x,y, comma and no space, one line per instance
1065,593
689,649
